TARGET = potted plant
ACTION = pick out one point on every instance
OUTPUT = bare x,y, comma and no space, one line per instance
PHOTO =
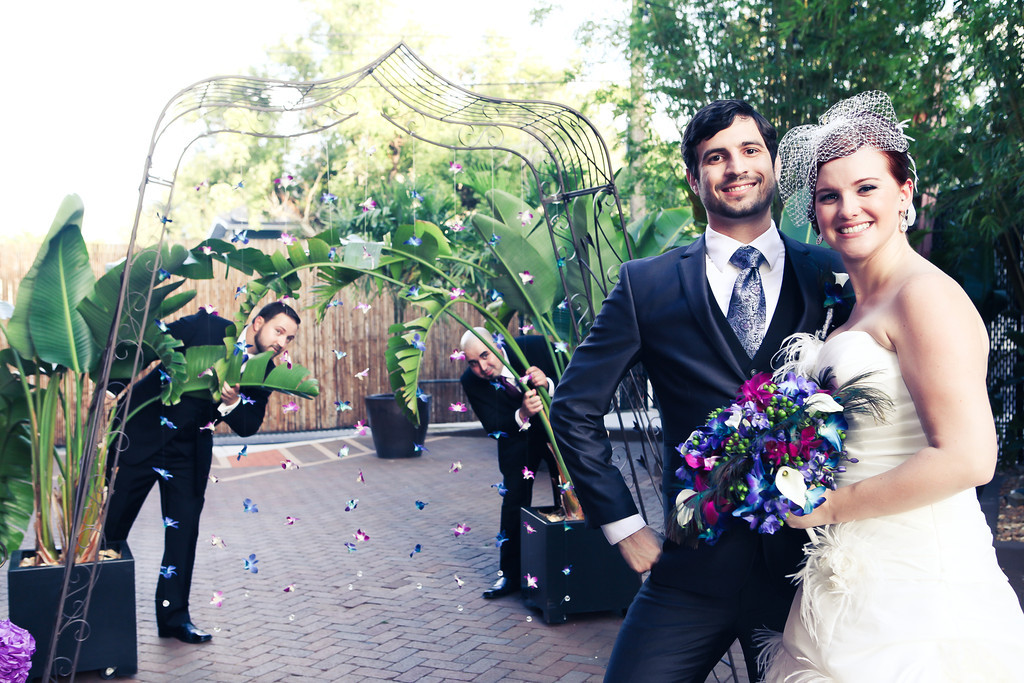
52,379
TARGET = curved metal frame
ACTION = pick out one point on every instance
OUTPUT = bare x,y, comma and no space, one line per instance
575,163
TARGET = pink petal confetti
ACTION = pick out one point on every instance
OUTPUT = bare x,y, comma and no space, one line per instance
364,307
361,535
458,227
454,166
525,328
207,371
209,426
286,359
343,452
287,239
290,588
361,428
368,204
455,467
529,529
206,250
527,473
457,354
217,542
290,521
459,582
287,464
526,277
363,374
290,407
460,529
457,407
359,478
218,598
531,581
351,505
456,292
209,309
525,217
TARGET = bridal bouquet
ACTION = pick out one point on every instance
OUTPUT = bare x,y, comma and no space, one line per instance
773,452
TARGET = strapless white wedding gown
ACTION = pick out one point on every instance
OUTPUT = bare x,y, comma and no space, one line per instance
916,596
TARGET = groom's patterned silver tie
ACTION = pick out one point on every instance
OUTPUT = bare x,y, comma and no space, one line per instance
746,308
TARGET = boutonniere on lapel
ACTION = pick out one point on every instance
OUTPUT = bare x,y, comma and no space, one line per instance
838,299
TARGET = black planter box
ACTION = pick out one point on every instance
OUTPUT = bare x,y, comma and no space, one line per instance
110,641
598,579
394,436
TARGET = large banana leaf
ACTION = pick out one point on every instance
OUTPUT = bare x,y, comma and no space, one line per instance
15,459
18,334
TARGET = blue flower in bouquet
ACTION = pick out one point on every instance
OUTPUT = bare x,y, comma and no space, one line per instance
16,648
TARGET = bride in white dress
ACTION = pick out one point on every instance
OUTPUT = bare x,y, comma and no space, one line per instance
902,584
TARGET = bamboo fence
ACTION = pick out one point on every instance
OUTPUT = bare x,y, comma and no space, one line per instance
361,335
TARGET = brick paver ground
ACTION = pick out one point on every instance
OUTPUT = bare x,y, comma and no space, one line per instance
318,611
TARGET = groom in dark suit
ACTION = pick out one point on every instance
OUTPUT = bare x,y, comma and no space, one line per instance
173,446
505,411
702,319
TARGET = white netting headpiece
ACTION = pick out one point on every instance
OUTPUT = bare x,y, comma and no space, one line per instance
867,119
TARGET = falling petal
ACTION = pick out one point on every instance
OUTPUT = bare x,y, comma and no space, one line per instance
460,529
217,541
209,426
214,479
418,447
164,219
250,564
368,204
359,478
246,401
163,473
494,240
456,292
343,451
290,588
338,355
363,374
501,488
417,342
416,548
527,473
414,241
531,581
168,571
458,407
170,523
499,539
286,359
334,303
361,535
162,275
164,377
242,453
217,599
567,570
454,166
420,505
455,467
526,277
525,328
287,464
459,582
290,407
242,237
525,217
529,528
562,347
286,239
350,546
363,306
351,505
458,227
457,354
497,435
342,406
328,198
249,506
161,325
290,521
167,423
361,428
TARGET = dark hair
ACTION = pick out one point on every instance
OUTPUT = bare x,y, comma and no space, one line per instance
716,117
276,308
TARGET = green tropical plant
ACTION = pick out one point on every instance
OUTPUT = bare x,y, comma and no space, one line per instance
58,334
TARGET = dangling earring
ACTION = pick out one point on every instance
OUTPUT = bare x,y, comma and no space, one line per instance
904,225
819,239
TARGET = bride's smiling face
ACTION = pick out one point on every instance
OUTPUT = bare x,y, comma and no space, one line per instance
858,202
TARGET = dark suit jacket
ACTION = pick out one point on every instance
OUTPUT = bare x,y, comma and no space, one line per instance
146,435
661,313
495,409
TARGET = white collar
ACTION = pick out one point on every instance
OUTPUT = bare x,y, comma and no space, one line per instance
720,247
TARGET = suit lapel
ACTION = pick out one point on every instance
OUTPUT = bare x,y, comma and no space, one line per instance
809,280
694,281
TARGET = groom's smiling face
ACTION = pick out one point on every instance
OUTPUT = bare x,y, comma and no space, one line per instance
737,178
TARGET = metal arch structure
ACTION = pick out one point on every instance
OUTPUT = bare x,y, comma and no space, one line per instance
573,162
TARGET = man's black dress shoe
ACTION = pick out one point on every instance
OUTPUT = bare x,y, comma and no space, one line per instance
186,633
501,588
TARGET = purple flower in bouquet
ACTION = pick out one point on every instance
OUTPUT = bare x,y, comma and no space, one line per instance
16,648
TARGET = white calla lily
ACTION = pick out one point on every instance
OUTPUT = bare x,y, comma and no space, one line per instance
841,278
823,403
684,513
791,484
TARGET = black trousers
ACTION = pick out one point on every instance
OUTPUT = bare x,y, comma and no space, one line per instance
181,501
670,634
519,493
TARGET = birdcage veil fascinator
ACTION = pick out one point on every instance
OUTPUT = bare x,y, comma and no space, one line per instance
867,119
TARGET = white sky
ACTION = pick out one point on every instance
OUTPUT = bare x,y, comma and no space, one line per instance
84,83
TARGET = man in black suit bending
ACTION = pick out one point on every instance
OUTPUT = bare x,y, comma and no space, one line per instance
173,446
702,319
505,413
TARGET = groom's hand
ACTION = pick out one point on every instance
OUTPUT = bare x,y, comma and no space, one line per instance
641,549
